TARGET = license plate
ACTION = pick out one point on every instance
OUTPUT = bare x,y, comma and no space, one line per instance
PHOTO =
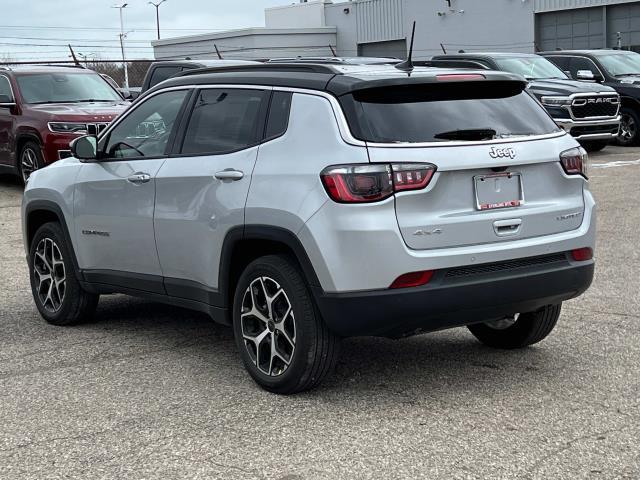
500,190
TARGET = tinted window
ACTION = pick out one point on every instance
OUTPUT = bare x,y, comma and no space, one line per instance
65,88
561,62
223,120
160,74
278,114
580,63
5,87
146,130
621,64
530,67
433,113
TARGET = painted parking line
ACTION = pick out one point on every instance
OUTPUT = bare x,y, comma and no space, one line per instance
617,163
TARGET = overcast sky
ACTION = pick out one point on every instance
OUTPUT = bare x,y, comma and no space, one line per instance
41,29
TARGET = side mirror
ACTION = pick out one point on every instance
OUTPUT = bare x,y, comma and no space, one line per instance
588,76
6,101
129,94
85,148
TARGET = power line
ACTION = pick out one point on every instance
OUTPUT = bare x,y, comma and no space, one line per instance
67,40
32,27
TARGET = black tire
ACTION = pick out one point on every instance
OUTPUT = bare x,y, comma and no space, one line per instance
73,305
314,351
30,154
595,146
528,329
629,128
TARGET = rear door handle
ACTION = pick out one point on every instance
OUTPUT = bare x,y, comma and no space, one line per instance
139,178
504,228
229,174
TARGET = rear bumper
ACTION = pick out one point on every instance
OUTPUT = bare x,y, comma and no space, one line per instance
590,129
456,297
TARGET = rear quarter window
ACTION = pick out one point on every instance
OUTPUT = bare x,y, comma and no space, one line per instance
160,74
436,112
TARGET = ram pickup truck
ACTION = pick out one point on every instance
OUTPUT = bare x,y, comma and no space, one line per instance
589,112
618,69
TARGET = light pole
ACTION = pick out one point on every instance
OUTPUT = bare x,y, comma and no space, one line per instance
157,5
122,37
85,57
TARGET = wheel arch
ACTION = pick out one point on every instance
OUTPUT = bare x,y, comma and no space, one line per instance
242,245
630,103
24,136
39,212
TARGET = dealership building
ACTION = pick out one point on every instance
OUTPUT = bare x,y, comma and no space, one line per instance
382,28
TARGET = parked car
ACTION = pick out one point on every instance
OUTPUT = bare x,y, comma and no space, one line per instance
130,93
302,205
162,70
42,109
338,60
590,113
619,69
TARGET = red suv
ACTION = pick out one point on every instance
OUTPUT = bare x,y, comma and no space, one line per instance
43,108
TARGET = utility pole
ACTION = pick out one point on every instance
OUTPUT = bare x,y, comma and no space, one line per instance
122,37
157,5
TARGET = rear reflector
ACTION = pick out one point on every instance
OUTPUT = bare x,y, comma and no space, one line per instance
459,77
582,254
413,279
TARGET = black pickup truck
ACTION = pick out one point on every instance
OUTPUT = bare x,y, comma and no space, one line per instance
162,70
589,112
619,69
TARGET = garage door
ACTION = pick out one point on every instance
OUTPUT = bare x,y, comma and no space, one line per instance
393,48
571,29
626,20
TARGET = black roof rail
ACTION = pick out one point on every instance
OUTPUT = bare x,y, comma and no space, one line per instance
273,67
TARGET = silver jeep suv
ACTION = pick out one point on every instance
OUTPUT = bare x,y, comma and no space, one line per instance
304,203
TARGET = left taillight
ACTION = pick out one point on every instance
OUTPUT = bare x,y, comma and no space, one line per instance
373,183
575,161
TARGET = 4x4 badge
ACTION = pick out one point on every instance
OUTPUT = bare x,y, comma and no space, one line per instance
502,152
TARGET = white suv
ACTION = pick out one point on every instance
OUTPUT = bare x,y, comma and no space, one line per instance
304,203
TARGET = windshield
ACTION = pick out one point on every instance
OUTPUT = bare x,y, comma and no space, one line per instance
530,67
621,63
442,113
65,88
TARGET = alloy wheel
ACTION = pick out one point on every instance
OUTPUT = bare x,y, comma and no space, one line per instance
28,163
50,275
628,128
268,326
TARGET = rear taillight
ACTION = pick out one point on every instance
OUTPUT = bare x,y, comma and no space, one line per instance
372,183
413,279
582,254
575,161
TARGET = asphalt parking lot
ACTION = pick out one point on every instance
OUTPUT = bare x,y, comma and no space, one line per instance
150,391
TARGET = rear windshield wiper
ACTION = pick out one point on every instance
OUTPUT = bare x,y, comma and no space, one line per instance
468,134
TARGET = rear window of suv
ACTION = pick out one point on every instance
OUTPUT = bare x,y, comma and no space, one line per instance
445,112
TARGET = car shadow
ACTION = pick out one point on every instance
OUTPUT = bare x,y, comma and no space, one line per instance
10,181
440,365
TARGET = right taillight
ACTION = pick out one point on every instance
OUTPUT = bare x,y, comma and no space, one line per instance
373,183
575,161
